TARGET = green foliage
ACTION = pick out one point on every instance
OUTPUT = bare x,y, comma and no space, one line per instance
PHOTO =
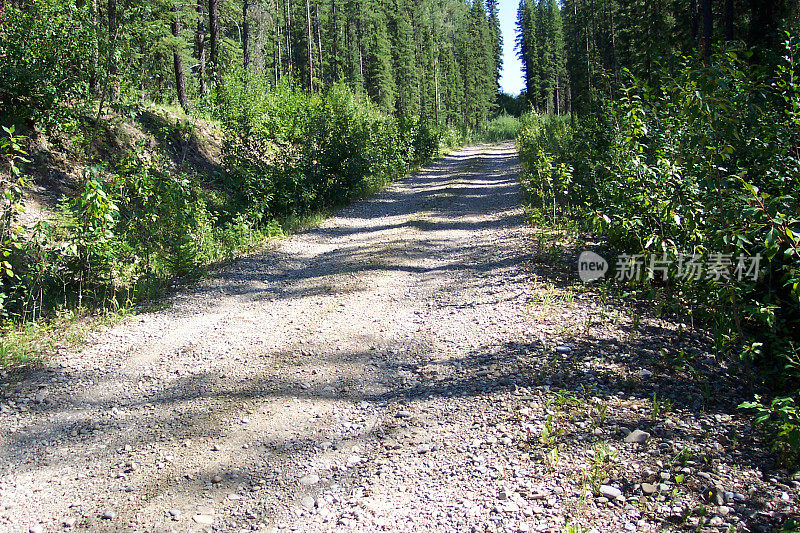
781,418
12,182
701,162
501,128
46,37
546,177
292,153
541,47
691,168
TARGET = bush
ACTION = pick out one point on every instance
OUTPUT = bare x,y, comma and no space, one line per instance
44,38
702,164
502,128
290,153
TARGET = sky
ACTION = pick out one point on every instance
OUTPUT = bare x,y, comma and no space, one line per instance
511,76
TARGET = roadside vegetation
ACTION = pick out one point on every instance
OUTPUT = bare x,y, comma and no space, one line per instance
693,162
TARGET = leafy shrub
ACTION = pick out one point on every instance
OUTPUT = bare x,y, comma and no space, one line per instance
12,181
44,38
501,128
781,418
704,162
90,236
291,153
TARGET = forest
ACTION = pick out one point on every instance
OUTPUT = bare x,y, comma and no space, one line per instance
179,133
671,129
437,60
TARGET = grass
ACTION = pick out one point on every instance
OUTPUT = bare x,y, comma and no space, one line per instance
30,343
501,128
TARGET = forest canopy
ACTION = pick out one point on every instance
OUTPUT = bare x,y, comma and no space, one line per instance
435,59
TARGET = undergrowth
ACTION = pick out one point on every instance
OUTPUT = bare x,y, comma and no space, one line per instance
683,172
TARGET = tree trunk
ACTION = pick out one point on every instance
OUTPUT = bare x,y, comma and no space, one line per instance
320,69
761,20
288,37
200,47
728,20
177,61
310,47
94,83
112,36
334,57
588,63
708,28
213,30
694,25
279,40
245,33
436,85
614,47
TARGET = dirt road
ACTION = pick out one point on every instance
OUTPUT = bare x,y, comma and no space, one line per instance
228,405
414,364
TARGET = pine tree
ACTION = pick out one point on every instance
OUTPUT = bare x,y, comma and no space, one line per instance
378,75
404,59
496,39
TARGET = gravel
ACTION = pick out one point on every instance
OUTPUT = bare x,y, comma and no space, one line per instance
423,361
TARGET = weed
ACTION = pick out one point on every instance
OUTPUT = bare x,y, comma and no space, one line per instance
659,407
550,432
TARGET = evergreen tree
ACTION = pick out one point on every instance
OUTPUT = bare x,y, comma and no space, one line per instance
496,38
404,59
435,59
378,74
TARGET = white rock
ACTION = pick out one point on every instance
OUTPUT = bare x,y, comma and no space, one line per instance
610,492
310,479
637,436
354,460
203,519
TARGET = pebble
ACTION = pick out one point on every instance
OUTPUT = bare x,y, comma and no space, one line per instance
637,436
108,515
175,514
308,502
423,448
310,479
70,522
36,529
216,479
563,349
403,414
610,492
203,519
649,488
354,460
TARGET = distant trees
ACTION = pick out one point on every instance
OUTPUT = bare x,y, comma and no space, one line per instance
541,47
572,47
436,59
